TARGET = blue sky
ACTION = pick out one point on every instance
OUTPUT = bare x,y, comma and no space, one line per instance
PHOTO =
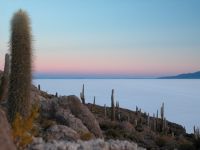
130,37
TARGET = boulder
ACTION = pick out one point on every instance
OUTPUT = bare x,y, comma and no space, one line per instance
69,111
6,142
82,112
61,132
65,117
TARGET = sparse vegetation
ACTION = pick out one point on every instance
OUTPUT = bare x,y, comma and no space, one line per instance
23,128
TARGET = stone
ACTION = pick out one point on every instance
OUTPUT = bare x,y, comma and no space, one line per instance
6,142
65,117
61,132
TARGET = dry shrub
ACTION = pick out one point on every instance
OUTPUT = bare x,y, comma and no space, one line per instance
23,128
86,136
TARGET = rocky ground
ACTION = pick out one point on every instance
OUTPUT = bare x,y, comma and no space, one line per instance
65,123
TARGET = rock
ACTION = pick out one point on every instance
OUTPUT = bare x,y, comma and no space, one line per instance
65,117
70,111
6,142
82,112
97,144
61,132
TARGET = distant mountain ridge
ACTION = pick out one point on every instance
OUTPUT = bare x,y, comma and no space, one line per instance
194,75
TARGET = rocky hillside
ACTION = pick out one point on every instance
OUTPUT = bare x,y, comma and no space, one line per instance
65,123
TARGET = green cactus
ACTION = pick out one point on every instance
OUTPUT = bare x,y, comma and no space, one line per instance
20,77
5,79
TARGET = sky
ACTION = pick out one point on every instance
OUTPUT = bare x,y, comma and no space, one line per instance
137,38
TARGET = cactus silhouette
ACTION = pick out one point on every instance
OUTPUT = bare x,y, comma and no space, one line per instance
82,94
20,76
5,79
112,106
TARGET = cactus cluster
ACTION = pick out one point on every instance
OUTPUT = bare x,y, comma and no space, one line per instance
20,76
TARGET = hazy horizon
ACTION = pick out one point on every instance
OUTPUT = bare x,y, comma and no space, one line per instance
127,38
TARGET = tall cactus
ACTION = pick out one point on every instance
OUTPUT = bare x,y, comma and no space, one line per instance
112,106
5,79
162,111
20,77
82,94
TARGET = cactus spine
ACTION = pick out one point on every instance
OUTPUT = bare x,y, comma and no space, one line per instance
5,79
20,77
82,94
112,106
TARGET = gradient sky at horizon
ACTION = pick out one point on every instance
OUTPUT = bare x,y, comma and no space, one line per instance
144,38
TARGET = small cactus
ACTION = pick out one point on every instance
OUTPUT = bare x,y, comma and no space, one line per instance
5,79
56,95
112,106
39,87
20,76
82,94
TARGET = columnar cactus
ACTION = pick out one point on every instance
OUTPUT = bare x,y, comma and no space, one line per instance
112,106
105,111
162,111
162,116
56,95
39,87
154,122
5,79
82,94
94,101
148,120
20,77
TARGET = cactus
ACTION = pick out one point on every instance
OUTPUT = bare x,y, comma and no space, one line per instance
154,123
93,106
105,111
5,79
39,87
162,111
20,77
82,94
112,106
56,95
94,102
148,120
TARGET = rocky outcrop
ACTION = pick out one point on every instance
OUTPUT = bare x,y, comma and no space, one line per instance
98,144
83,113
71,112
6,142
65,117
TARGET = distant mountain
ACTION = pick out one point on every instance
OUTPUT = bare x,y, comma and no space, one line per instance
195,75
